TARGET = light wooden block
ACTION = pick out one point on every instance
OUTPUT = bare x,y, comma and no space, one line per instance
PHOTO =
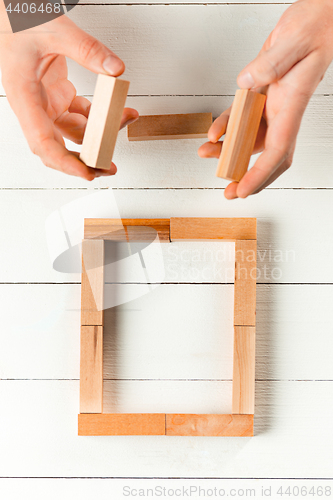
245,282
127,229
209,425
122,424
92,284
161,127
104,121
194,228
91,369
241,134
243,370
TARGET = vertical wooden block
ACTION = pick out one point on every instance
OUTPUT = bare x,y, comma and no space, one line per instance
92,285
245,282
243,370
91,369
241,134
104,121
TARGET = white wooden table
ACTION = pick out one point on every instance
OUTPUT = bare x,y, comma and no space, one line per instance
172,348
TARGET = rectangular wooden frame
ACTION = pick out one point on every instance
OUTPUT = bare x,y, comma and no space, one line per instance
91,420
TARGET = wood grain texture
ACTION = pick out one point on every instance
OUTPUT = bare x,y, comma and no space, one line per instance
212,228
161,127
313,148
91,369
245,282
92,282
122,424
104,120
209,425
183,34
243,387
127,229
241,134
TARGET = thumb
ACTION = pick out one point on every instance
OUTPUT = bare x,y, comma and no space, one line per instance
270,65
73,42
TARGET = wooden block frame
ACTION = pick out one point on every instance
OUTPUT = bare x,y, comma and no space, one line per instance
91,420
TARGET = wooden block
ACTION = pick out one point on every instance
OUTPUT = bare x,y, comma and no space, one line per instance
209,425
245,283
158,127
243,370
91,369
127,229
92,284
193,228
241,134
122,424
104,122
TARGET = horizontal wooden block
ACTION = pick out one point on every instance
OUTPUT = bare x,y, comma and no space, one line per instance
160,127
243,370
92,283
91,369
196,228
245,283
209,425
127,229
241,134
122,424
104,119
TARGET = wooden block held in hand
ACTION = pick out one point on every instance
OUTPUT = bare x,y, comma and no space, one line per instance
91,369
160,127
241,134
104,121
243,370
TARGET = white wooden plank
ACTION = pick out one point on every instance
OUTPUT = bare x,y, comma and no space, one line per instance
169,164
294,240
179,49
42,341
39,418
154,396
174,332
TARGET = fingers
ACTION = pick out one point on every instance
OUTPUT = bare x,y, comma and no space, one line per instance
271,64
72,125
219,127
42,137
210,150
83,48
130,115
80,105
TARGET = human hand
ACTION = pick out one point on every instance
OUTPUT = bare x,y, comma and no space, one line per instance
288,69
35,78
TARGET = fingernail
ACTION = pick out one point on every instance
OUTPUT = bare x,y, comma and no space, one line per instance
246,81
113,65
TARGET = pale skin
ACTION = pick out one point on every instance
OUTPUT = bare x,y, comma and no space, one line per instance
289,67
34,76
